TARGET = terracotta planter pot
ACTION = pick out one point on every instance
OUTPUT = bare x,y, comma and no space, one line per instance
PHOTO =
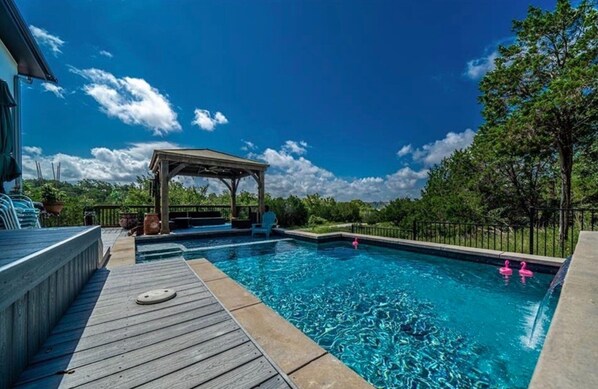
151,224
54,208
128,220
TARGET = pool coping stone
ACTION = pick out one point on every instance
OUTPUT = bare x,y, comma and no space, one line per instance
570,351
495,257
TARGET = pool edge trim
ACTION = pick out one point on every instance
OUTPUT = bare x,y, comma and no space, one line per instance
543,263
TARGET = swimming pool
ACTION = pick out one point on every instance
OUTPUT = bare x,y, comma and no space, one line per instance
399,319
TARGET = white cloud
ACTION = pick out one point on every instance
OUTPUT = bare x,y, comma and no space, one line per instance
106,53
43,37
205,121
291,173
404,150
434,152
132,100
32,150
477,68
114,165
248,146
52,88
292,147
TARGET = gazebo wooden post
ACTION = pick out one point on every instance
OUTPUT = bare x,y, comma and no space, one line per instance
261,190
156,193
234,183
164,201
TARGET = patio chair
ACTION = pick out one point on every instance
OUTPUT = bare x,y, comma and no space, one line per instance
26,211
8,216
265,227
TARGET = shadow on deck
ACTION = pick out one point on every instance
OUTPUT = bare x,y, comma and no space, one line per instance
105,339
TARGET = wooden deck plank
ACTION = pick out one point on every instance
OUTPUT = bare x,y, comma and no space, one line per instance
126,282
275,382
83,319
214,311
196,374
247,376
115,311
84,331
106,340
79,359
85,302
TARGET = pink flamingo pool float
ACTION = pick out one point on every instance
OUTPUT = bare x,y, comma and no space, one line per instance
355,244
506,270
524,272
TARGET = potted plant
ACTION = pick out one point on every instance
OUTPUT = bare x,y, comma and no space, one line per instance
128,219
52,199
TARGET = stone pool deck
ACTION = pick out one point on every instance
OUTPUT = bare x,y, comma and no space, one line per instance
569,358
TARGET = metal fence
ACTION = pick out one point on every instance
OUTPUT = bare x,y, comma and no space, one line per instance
109,215
539,235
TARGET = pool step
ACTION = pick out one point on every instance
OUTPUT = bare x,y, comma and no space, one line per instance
161,254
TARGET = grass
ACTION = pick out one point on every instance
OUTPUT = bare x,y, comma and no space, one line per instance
326,228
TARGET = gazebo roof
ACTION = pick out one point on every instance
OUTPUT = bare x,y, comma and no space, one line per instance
205,163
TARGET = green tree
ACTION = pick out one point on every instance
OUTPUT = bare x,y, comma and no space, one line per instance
543,91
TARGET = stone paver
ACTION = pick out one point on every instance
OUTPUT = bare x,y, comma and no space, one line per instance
122,253
287,345
330,373
231,294
206,270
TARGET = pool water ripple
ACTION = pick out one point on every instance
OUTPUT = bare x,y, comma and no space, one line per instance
399,319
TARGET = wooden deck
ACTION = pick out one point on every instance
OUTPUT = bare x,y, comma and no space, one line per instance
106,340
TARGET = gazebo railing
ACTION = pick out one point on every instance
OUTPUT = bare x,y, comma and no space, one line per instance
109,215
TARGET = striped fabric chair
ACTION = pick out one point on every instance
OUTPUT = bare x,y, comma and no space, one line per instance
27,213
17,211
8,215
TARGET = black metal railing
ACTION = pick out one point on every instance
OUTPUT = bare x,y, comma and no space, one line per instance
109,215
539,235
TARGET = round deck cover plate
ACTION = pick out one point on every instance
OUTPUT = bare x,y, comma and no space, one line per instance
155,296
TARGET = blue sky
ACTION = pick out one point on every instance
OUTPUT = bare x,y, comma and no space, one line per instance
352,99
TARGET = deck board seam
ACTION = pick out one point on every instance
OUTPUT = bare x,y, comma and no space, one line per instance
160,318
75,367
85,325
171,353
135,336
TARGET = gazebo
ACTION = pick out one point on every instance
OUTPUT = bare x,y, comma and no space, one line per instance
229,169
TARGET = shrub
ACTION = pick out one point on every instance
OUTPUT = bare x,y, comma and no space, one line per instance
290,211
316,220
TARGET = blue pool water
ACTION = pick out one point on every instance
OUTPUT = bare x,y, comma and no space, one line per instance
399,319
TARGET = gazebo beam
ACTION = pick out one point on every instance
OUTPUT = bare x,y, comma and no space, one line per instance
176,170
164,200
